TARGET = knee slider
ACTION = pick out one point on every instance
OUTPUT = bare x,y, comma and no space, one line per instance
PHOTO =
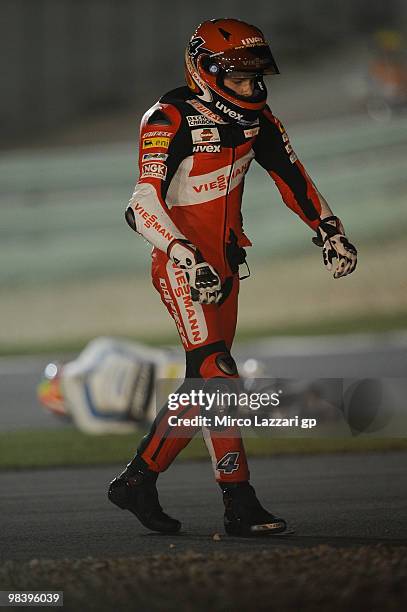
222,388
226,364
220,365
200,362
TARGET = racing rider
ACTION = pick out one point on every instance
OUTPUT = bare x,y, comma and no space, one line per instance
196,145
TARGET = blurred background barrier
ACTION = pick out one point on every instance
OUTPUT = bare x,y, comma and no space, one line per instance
68,58
78,75
62,210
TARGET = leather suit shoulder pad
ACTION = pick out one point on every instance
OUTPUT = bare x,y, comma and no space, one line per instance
158,117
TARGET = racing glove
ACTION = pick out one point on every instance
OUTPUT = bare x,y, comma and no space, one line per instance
331,237
202,277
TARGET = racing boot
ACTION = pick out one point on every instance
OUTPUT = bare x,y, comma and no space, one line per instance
135,490
244,515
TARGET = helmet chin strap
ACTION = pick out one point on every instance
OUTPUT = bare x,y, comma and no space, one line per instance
224,113
247,118
230,111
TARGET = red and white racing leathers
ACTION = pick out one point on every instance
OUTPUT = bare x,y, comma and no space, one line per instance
192,169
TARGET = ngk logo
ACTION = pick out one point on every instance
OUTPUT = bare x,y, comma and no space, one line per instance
154,167
154,170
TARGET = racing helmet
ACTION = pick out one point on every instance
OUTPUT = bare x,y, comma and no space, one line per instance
222,46
49,391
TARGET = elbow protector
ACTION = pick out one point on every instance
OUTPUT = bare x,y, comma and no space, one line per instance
130,218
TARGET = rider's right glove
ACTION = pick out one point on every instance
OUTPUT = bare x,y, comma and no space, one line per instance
335,245
202,277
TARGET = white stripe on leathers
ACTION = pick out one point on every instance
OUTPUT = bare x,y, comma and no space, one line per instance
186,190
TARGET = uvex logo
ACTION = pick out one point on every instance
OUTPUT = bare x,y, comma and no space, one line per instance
252,40
206,148
228,111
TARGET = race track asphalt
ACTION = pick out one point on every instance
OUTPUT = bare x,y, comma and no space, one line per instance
342,500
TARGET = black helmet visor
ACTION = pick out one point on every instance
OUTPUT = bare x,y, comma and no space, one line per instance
256,59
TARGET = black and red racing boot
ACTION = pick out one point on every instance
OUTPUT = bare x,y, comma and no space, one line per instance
135,490
244,515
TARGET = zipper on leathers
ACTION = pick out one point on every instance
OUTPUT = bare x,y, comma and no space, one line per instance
226,207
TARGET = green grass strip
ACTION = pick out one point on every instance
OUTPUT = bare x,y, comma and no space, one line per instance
365,324
69,447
